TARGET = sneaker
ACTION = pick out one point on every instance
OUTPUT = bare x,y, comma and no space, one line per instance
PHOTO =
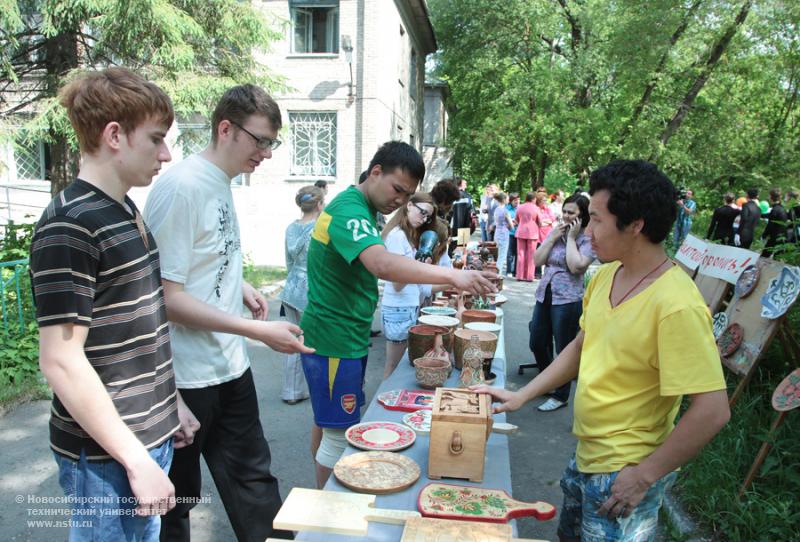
550,405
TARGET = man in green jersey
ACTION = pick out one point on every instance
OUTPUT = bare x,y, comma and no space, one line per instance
346,257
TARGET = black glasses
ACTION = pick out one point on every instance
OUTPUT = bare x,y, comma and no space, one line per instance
425,214
262,143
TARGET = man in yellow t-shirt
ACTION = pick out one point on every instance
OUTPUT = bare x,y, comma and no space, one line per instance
645,342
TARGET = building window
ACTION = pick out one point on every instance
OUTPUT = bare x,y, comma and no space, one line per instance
29,159
315,27
313,144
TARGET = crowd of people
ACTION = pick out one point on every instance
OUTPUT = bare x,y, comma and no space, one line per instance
143,338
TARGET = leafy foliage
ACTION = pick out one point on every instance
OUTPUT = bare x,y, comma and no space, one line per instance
569,85
194,49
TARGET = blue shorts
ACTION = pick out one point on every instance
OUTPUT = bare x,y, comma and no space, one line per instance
336,387
397,321
584,494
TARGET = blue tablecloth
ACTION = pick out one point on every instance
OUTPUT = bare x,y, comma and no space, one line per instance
497,470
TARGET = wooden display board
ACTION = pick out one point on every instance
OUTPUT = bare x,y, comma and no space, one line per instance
713,290
758,331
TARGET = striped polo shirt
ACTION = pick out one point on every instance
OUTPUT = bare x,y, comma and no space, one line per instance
94,263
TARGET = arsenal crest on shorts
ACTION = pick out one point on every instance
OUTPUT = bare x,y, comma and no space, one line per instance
349,402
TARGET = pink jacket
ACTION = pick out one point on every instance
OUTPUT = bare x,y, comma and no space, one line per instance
527,218
546,220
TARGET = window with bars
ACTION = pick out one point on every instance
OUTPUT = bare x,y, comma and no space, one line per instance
315,27
313,136
29,159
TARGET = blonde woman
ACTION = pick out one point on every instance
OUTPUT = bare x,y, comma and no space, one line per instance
311,200
400,302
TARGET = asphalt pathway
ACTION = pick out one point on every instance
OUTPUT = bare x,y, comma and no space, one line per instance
539,450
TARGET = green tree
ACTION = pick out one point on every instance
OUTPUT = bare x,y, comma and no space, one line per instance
193,49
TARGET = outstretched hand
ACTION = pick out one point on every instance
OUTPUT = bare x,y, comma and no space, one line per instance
281,337
474,282
509,400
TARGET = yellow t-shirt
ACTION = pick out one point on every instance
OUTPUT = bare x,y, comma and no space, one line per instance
637,360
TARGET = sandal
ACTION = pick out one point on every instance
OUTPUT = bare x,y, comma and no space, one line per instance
550,405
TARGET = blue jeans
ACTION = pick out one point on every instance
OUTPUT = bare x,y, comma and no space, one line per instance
585,493
484,231
103,506
550,324
682,229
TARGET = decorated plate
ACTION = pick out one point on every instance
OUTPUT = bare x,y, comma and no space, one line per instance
720,323
380,436
419,421
376,472
781,293
406,400
741,361
787,394
747,281
730,339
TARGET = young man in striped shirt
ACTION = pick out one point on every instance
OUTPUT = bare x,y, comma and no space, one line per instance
104,340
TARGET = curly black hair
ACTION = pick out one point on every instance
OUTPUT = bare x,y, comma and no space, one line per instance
638,190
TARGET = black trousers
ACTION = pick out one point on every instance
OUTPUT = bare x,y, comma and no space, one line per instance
232,443
511,260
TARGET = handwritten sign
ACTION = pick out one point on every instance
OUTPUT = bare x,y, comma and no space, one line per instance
691,252
726,263
718,261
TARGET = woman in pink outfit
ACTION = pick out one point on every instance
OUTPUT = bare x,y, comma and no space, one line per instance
546,220
527,220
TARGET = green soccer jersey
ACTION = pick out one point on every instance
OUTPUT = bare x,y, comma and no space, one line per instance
342,293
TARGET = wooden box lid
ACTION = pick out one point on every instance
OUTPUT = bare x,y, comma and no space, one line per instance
461,405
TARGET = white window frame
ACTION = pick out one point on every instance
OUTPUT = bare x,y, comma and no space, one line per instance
331,28
295,171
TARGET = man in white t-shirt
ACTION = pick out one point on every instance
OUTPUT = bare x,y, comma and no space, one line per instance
191,213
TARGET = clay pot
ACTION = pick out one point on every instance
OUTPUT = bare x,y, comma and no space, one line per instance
475,315
431,372
450,323
421,338
488,342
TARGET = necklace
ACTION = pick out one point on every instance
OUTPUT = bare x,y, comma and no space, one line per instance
641,280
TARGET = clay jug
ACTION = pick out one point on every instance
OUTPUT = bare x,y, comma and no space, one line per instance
472,369
438,351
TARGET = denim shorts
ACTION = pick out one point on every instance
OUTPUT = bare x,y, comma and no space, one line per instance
397,321
103,506
585,493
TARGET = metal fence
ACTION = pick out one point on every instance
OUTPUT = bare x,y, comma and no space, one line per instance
15,294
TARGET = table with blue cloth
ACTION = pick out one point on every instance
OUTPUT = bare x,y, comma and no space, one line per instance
497,469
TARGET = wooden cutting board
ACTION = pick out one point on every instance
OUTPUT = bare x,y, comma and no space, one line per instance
478,504
334,512
446,530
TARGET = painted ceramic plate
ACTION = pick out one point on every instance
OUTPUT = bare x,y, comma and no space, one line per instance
389,398
419,421
730,339
741,361
781,293
720,323
376,472
438,311
380,436
787,394
747,281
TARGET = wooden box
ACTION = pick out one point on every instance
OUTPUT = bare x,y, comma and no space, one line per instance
461,421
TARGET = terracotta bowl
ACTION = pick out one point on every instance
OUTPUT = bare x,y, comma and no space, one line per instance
421,339
431,372
476,315
488,342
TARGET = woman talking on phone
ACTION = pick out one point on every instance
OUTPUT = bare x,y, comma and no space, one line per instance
567,253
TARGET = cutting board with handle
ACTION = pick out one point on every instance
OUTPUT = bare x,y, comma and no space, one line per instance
445,530
334,512
478,504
